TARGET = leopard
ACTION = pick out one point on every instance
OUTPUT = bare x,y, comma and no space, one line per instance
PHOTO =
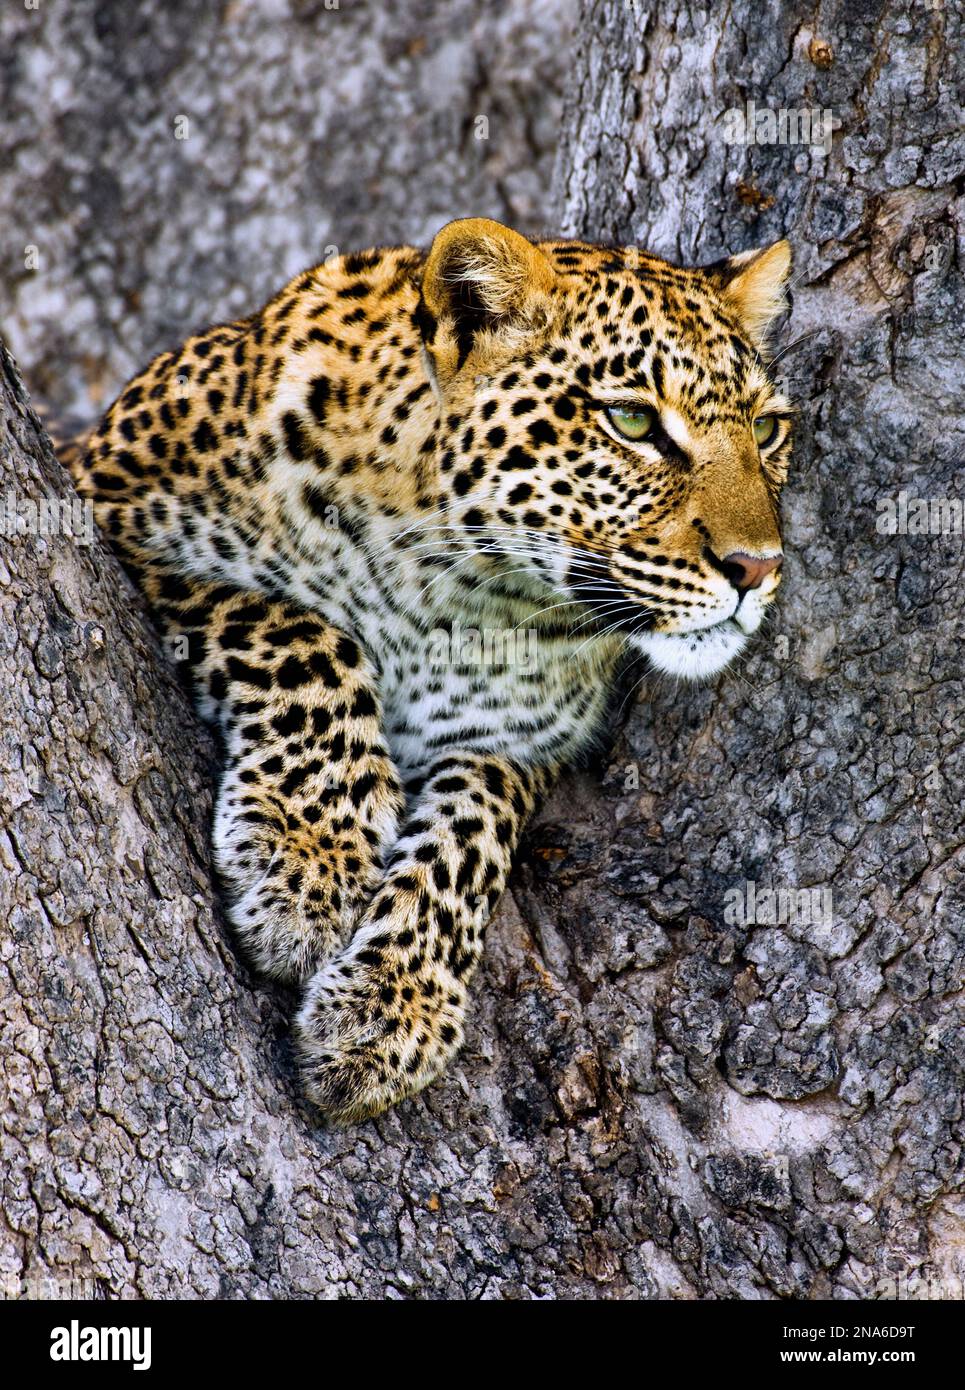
330,504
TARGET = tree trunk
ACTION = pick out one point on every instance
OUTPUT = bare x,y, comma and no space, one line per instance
800,1085
654,1099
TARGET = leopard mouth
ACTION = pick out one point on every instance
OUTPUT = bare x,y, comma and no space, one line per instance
695,653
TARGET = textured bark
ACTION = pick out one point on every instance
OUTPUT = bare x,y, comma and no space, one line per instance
172,165
652,1101
806,1084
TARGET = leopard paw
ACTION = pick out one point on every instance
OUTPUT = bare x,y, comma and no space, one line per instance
368,1036
290,909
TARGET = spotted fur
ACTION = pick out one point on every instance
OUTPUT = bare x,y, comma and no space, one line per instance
398,451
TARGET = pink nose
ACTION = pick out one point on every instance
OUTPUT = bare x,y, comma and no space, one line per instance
748,571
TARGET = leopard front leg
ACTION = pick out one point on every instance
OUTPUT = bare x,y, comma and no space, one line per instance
309,800
382,1018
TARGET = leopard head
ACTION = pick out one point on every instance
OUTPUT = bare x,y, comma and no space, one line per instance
611,429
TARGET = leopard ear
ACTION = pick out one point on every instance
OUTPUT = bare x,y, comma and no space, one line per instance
484,287
752,285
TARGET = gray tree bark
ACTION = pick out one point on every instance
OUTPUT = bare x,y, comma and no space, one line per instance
653,1100
167,166
808,1083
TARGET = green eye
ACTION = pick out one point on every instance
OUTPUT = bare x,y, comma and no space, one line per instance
633,424
765,428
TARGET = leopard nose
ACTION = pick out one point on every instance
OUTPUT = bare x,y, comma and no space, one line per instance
748,571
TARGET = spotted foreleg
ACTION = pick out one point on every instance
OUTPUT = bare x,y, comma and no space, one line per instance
309,798
384,1016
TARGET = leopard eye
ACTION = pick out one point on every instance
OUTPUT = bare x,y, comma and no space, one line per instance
632,424
765,428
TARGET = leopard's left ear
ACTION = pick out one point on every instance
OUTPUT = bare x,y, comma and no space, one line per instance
752,284
484,287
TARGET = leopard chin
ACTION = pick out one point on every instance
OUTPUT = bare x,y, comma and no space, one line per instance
694,656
